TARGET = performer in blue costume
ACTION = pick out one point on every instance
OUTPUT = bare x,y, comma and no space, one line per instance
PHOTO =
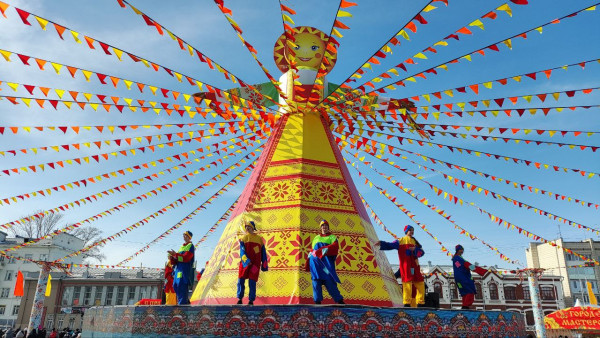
321,264
463,279
183,271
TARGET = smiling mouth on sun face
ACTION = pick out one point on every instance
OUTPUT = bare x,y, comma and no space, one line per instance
304,59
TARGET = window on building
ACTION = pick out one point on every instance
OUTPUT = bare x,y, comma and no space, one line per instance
50,321
575,284
9,275
67,296
12,260
437,288
98,295
1,259
479,294
154,292
131,295
493,291
510,293
144,292
27,256
547,293
594,286
44,257
529,320
87,295
526,292
453,292
120,295
2,309
71,322
109,295
4,292
61,320
15,310
76,294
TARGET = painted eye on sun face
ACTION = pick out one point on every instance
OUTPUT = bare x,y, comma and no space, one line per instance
296,47
313,48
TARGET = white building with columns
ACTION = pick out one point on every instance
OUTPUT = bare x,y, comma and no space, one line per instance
44,250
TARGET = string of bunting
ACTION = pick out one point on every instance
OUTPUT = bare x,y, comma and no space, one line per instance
95,179
132,201
472,187
103,79
359,141
381,125
259,117
331,46
386,48
238,31
499,101
513,130
216,225
437,210
475,87
111,128
494,219
146,220
463,31
155,106
361,130
186,47
68,266
494,47
106,156
191,111
141,139
384,113
218,148
508,112
407,213
169,231
431,49
84,200
376,218
107,48
514,184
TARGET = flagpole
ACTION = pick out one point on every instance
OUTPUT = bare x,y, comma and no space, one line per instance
37,310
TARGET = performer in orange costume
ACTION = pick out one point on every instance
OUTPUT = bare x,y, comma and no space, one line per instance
409,251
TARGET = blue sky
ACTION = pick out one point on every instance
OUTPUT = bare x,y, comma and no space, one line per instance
201,24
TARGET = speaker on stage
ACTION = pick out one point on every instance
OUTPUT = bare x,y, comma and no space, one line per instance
432,300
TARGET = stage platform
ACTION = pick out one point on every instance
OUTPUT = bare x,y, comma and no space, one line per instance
297,321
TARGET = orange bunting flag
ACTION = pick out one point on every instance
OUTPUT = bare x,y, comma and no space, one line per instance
19,285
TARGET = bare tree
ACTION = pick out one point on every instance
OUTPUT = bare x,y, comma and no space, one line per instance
90,235
40,224
37,225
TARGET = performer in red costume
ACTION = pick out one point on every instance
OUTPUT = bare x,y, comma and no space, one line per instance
170,298
409,251
462,276
253,257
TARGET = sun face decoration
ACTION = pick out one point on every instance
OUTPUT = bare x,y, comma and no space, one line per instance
308,50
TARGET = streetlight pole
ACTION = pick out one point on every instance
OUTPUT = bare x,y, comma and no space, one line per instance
37,310
538,313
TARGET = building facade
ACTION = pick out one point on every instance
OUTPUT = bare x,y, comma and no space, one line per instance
557,262
45,250
495,292
73,293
